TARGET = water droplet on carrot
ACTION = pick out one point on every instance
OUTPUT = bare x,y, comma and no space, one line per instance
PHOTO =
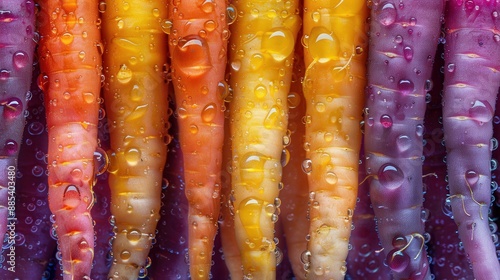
71,197
124,75
20,59
278,42
156,12
386,13
210,25
403,143
252,169
273,118
209,112
4,74
481,111
307,166
406,86
207,6
133,156
260,91
256,61
323,45
331,178
231,14
193,129
10,147
293,100
397,261
390,176
386,121
192,55
408,53
249,214
125,255
419,130
102,7
12,108
66,38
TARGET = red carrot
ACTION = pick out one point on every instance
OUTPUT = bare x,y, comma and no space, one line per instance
472,79
404,37
71,79
17,20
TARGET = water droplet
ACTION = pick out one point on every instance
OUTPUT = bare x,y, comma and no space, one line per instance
403,142
323,45
307,166
10,147
231,14
451,67
278,42
20,59
408,53
66,38
12,108
406,86
390,176
331,178
386,121
192,55
207,6
398,39
209,113
252,169
272,119
166,26
386,13
397,261
260,91
102,7
71,197
133,156
481,111
124,75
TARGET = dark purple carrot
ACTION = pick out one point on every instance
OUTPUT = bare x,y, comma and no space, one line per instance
448,257
34,245
404,37
17,19
472,79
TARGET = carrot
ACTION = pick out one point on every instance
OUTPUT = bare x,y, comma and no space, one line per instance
135,94
403,44
294,196
261,59
71,73
472,79
335,56
198,42
17,21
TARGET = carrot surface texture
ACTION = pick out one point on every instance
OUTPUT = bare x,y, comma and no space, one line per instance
335,43
198,47
472,80
17,46
261,60
136,99
403,43
70,62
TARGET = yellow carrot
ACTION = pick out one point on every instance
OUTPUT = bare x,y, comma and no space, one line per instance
198,47
261,60
335,55
135,95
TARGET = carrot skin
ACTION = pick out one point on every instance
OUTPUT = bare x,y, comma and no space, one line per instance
198,46
471,50
335,58
261,58
71,73
136,99
17,26
402,47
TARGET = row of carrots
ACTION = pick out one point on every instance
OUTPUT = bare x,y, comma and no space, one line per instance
343,68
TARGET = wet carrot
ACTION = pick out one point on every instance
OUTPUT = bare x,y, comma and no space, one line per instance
198,42
135,95
71,79
335,55
261,59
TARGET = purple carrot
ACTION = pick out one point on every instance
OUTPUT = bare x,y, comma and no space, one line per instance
17,19
448,257
404,37
365,260
34,245
472,79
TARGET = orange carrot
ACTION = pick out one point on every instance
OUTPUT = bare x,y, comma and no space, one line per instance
198,41
135,95
71,64
261,60
335,56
